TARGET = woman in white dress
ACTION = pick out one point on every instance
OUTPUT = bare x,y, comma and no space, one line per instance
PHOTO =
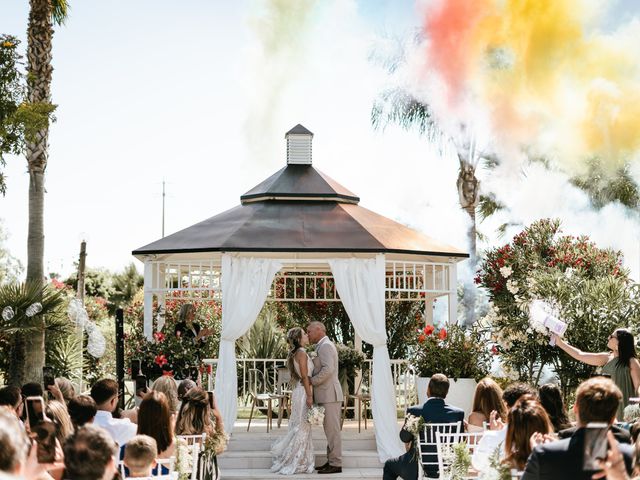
293,453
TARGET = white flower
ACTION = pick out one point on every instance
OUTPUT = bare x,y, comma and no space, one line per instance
631,412
568,273
506,272
512,286
531,283
315,415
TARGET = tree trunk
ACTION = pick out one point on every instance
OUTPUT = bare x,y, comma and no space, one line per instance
469,196
40,34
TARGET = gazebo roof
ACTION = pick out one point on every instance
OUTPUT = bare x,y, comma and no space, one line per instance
300,209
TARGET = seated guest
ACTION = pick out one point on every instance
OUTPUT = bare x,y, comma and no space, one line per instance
486,399
57,412
32,389
493,440
154,420
14,444
435,410
82,410
185,385
405,466
525,418
168,386
105,394
63,390
551,400
12,397
88,454
597,400
140,456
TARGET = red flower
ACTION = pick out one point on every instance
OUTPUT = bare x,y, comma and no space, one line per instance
421,338
167,373
428,330
159,336
494,350
160,360
443,334
209,369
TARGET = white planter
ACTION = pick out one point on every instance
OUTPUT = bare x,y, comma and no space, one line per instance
460,392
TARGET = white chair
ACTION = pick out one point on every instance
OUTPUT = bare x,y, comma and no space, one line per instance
445,444
428,443
196,445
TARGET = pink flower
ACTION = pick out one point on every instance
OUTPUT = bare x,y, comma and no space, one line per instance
160,360
159,336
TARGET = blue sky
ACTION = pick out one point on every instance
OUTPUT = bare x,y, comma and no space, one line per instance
182,91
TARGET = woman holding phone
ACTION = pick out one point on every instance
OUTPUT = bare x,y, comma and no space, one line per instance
621,363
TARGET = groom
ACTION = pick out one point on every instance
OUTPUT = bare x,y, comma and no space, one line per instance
328,393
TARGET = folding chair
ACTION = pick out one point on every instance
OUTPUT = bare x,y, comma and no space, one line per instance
168,463
363,400
445,444
283,393
428,445
196,445
264,399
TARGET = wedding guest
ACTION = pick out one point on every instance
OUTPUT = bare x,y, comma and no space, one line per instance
405,466
62,390
185,385
57,412
140,455
12,397
32,389
105,394
89,454
551,400
167,385
436,410
486,399
82,410
597,400
526,418
154,420
495,437
14,444
620,363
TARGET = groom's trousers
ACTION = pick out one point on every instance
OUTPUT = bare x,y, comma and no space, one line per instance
332,417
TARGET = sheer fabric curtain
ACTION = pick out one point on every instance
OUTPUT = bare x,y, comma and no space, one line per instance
360,284
245,285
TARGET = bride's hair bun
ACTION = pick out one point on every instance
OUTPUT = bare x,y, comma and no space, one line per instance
294,335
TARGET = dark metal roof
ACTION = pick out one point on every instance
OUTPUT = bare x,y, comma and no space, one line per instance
299,226
299,182
299,130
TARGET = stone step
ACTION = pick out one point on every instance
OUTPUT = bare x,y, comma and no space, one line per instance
264,442
265,474
353,459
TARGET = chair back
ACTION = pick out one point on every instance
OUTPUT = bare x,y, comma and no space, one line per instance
195,443
283,380
428,443
445,449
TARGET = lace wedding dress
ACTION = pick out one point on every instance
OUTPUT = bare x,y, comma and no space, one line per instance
293,453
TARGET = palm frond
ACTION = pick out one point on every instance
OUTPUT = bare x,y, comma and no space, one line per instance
20,296
401,108
488,205
59,11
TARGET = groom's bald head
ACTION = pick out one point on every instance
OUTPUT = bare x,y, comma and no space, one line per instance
316,330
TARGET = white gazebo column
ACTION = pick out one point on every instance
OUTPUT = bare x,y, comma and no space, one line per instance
160,283
453,293
149,268
428,310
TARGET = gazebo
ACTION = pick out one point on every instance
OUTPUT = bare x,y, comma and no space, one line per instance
301,226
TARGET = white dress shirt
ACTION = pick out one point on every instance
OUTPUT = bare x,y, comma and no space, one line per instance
490,441
121,429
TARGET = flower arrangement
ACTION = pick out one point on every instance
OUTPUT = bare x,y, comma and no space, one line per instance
315,415
217,442
457,352
631,412
184,459
350,361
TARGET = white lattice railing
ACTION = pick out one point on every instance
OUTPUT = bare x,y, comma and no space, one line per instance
403,377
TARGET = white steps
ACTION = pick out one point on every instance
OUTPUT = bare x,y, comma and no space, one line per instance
249,453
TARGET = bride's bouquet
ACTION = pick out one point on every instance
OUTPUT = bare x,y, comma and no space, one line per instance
315,415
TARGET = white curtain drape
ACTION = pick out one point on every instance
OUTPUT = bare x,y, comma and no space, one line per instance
245,284
360,284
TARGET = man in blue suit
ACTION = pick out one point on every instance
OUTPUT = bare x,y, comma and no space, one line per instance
434,410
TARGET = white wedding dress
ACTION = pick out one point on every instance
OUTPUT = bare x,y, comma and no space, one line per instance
293,453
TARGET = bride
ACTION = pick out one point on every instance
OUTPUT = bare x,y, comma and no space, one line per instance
293,453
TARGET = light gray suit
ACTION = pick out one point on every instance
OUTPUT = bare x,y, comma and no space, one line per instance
327,392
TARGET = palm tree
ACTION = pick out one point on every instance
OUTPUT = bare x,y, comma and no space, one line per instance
399,107
42,15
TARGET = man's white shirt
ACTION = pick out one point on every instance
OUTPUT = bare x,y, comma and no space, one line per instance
121,429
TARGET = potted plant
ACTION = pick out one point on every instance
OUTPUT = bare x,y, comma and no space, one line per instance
350,361
459,353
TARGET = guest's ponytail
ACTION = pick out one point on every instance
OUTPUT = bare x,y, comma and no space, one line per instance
294,336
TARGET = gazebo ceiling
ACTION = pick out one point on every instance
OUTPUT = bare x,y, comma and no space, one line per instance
299,209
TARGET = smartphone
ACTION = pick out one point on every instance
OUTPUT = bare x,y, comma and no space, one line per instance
42,429
211,401
595,446
48,378
193,373
135,368
141,383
